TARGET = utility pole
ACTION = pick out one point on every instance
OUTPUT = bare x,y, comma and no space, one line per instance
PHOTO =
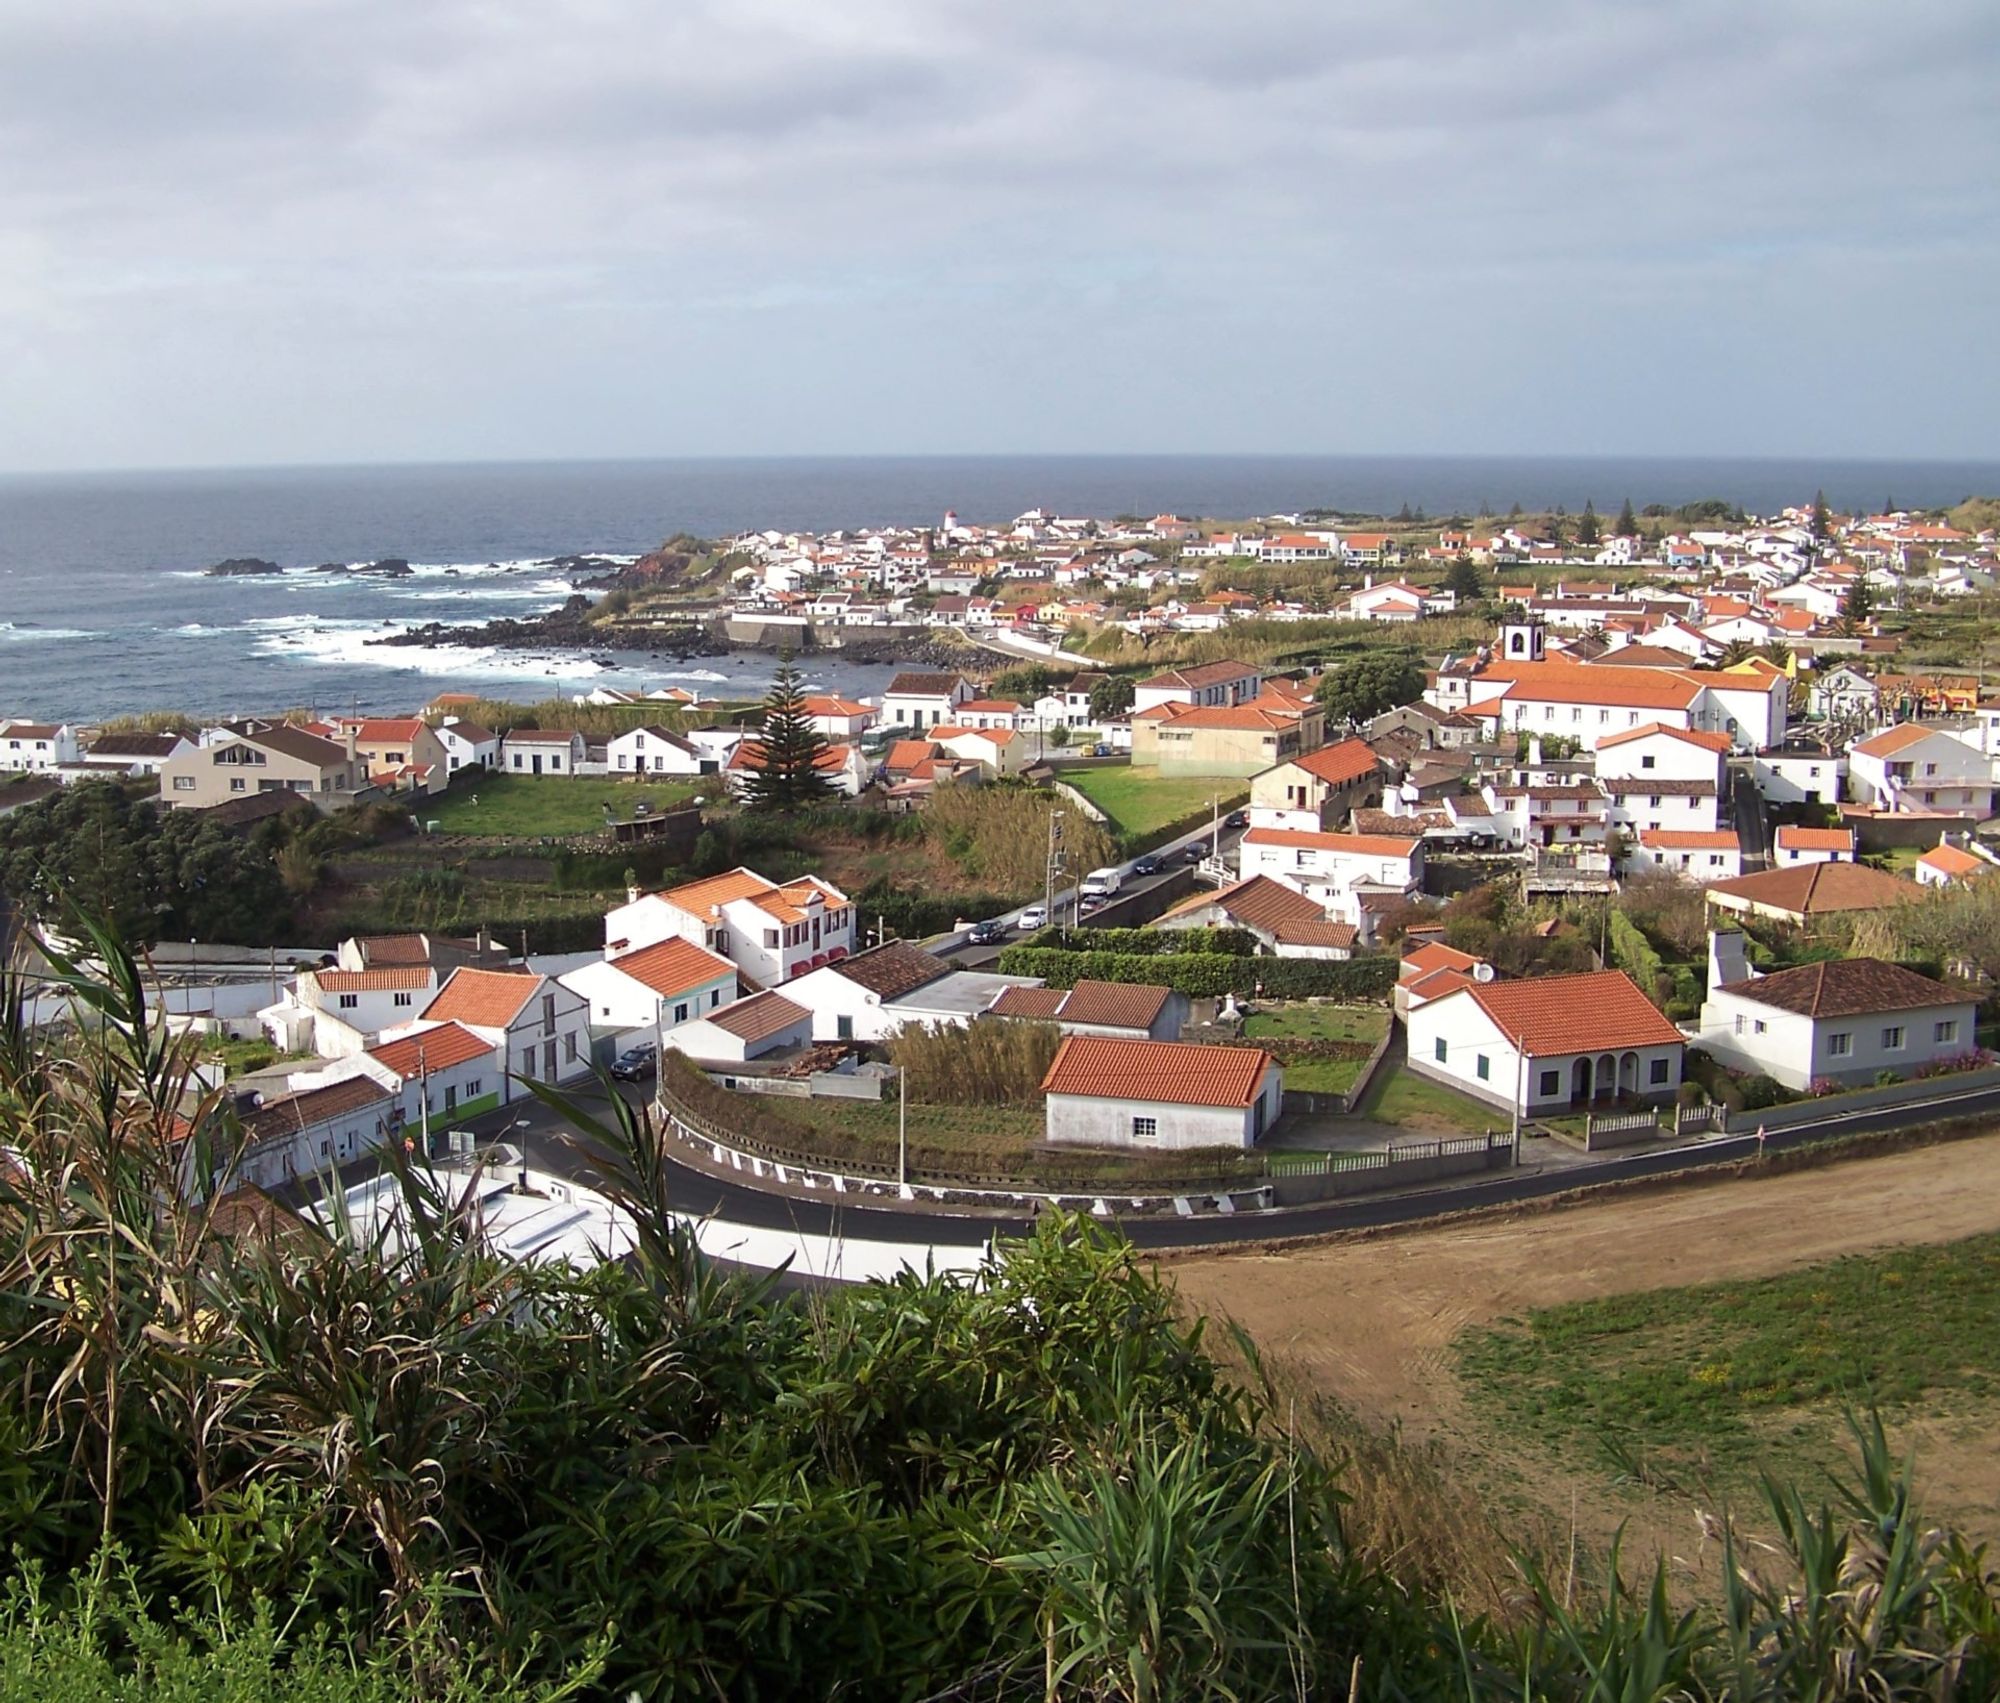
902,1129
423,1102
1049,865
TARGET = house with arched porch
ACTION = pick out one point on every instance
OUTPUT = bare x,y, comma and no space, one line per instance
1549,1044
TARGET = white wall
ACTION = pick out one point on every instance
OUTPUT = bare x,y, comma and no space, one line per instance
1795,1050
1076,1119
1805,779
1470,1036
616,1000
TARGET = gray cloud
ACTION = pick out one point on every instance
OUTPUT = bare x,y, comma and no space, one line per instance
359,229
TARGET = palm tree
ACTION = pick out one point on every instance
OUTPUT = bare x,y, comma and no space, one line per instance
1737,650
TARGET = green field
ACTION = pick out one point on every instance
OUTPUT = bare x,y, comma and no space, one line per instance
1139,802
1728,1374
1319,1022
1400,1096
506,806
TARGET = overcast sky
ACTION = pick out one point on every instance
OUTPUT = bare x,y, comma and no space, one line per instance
239,231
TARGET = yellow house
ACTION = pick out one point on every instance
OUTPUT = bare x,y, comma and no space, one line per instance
1225,739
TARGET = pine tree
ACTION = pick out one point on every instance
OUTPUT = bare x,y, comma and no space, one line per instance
788,777
1857,605
1463,577
1822,521
1586,524
1628,522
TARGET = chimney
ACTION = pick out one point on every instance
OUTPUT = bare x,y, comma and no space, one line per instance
1367,580
353,734
1727,960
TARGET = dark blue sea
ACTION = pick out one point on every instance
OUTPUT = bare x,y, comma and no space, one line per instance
103,607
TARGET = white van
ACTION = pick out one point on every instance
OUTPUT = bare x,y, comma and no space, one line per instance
1101,884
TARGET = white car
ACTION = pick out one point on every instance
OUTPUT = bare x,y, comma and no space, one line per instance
1033,918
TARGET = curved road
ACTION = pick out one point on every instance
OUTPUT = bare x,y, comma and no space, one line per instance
553,1147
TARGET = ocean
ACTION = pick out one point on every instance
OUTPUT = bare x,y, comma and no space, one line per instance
104,608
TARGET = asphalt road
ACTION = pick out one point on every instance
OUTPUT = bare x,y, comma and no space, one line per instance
958,947
1753,828
551,1146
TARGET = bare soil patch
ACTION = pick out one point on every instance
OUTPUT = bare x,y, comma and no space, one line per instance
1371,1322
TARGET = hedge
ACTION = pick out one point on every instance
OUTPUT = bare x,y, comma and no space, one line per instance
1633,953
1151,942
1209,975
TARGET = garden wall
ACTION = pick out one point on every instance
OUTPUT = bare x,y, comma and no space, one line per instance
1798,1112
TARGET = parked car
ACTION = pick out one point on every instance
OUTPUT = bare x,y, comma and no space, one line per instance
1147,865
1090,903
1100,749
1237,819
635,1064
1034,917
1196,852
989,933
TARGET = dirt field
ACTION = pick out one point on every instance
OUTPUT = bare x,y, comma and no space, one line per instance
1372,1322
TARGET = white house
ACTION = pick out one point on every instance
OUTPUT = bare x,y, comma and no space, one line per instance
37,748
1138,1011
1548,1043
655,751
669,982
1945,863
836,717
1393,600
134,753
539,1029
1798,777
306,1132
467,745
766,1022
1813,845
338,1013
876,994
1286,923
538,751
1208,685
1659,778
844,766
1334,869
1923,769
1846,1020
1107,1092
924,700
770,931
1700,854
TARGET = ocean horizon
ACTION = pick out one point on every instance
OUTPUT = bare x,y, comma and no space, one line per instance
104,608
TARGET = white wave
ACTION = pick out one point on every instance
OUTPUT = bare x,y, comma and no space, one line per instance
705,674
347,644
12,634
542,591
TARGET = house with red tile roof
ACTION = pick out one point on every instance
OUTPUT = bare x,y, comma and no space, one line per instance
539,1029
403,753
1547,1044
1793,844
1286,923
1945,863
1336,871
1102,1091
1318,789
1845,1020
770,930
1134,1010
668,982
1919,769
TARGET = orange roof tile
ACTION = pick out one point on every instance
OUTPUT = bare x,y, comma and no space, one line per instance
1815,839
1434,955
431,1050
1816,889
674,966
1690,839
1593,1012
1893,739
1689,735
1337,765
706,897
372,981
1597,683
1951,861
491,999
1178,1073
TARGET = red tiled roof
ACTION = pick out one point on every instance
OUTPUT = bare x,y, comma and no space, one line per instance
1816,889
674,966
1951,861
1337,765
1597,683
1690,839
1431,956
431,1050
1691,736
1203,674
373,981
1178,1073
1816,839
1847,987
492,999
1595,1012
1891,740
759,1017
1110,1005
385,951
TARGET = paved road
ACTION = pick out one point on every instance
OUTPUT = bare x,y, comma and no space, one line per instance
958,946
1752,826
551,1146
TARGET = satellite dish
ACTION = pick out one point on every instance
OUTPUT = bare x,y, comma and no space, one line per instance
1482,972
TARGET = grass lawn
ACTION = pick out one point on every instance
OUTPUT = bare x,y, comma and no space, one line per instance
239,1057
1731,1373
1323,1075
1320,1022
1139,802
508,806
1425,1107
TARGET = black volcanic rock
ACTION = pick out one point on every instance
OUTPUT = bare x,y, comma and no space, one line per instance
239,566
389,567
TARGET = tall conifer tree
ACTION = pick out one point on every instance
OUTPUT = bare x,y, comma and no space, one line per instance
789,777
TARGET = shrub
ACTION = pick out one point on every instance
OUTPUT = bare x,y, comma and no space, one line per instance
995,1063
1760,1091
1210,975
1633,953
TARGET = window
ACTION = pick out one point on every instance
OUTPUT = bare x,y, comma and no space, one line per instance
843,1028
1484,1066
1648,762
1551,1083
1892,1038
714,998
681,1012
236,784
771,939
348,1001
1945,1031
402,999
548,1014
1145,1129
472,1089
1758,1025
184,783
569,1046
1658,1073
1840,1045
1439,1045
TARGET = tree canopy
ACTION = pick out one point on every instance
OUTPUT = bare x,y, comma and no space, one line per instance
1112,697
1464,577
789,775
1370,685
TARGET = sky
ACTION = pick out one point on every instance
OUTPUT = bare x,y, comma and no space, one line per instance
239,233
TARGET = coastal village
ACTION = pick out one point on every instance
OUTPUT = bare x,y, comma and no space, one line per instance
1577,832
